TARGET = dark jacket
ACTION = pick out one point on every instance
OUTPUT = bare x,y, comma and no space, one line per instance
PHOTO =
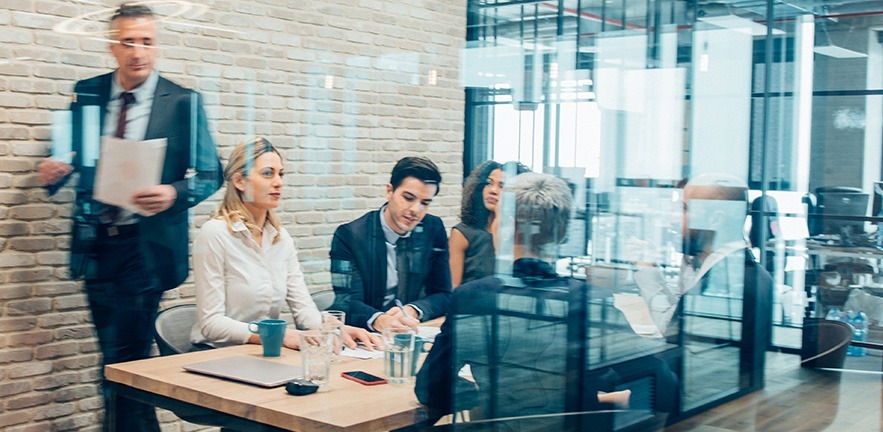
164,236
525,338
492,323
358,268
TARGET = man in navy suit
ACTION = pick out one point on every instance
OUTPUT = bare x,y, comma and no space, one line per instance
397,253
129,258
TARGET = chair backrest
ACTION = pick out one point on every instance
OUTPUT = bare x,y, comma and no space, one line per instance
825,343
172,329
323,299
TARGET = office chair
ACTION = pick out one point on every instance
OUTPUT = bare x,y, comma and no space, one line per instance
825,343
172,332
172,329
323,299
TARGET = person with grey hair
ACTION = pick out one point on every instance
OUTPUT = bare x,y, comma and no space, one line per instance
542,208
129,258
542,212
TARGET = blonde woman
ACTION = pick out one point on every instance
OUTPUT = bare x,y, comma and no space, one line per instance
245,262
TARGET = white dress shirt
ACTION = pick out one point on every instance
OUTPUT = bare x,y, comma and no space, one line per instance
238,281
137,117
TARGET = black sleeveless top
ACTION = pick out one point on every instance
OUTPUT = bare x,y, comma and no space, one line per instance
480,256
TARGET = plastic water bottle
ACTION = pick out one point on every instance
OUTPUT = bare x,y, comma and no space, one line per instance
834,315
859,322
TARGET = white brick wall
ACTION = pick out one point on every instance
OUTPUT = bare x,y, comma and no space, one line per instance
267,75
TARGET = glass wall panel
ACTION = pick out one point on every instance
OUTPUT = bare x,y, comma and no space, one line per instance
724,156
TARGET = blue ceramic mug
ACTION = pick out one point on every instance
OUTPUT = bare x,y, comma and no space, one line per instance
272,332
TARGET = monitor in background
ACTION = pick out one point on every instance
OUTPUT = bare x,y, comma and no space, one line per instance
876,207
843,203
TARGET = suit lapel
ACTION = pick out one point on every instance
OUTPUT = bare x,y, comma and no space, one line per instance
104,99
378,242
157,126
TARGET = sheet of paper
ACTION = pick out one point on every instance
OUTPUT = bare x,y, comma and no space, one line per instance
637,314
428,333
465,372
126,166
361,353
61,136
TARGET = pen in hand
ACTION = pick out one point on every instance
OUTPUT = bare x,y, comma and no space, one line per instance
406,319
401,308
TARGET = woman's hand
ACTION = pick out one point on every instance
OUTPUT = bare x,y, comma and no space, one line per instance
355,335
291,339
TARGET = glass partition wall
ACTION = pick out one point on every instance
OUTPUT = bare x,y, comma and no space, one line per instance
725,154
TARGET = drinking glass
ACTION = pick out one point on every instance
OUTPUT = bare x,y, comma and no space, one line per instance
332,321
398,346
315,348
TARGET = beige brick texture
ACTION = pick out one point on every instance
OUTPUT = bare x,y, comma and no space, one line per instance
341,86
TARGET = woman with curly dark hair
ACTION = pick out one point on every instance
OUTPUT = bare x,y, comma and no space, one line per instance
471,244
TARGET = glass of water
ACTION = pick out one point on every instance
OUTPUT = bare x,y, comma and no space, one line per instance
398,346
332,321
316,350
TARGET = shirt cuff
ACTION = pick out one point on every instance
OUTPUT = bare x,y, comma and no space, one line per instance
371,321
419,312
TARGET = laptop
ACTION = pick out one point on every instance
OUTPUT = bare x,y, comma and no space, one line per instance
248,369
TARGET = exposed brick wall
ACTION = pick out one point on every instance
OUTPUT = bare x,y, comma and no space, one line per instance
342,86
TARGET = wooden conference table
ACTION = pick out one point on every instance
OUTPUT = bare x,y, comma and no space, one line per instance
342,405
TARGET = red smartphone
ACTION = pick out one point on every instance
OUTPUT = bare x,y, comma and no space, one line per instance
363,378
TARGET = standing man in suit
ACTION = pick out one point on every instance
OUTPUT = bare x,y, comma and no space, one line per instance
128,259
397,253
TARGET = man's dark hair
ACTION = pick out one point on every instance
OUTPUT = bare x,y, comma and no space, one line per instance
131,10
420,168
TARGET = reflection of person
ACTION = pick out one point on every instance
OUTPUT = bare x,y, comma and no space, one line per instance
245,263
471,243
763,209
715,209
396,253
542,213
128,260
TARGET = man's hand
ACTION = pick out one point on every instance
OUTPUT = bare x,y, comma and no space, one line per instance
354,335
394,318
52,170
155,199
409,311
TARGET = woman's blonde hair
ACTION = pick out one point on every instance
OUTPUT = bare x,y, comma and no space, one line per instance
232,209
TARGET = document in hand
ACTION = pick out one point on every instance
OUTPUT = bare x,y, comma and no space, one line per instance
125,167
637,313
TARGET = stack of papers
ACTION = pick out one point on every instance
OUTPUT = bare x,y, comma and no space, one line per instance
361,353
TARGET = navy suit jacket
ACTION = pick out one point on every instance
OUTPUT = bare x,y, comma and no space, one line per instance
358,268
191,166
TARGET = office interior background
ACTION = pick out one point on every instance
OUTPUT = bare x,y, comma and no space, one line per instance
623,99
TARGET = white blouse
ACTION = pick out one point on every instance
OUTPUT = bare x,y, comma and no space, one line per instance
238,281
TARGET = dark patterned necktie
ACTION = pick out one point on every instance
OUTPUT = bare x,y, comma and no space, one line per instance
127,98
110,214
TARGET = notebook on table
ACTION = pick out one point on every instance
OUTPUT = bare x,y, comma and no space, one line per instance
248,369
